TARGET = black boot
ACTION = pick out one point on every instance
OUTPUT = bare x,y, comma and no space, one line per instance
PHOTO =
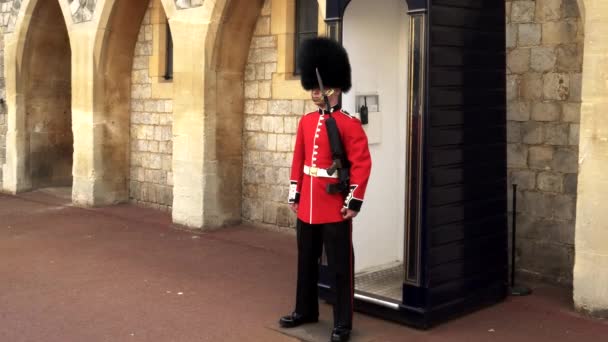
295,319
340,334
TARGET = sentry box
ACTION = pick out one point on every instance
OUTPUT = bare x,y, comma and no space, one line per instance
429,76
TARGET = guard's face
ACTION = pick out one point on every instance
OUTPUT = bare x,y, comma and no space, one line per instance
317,96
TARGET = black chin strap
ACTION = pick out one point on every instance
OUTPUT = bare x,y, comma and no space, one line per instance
331,109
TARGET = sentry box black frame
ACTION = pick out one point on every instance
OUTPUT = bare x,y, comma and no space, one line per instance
456,248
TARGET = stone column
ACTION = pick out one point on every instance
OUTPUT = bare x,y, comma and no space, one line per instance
86,170
188,28
591,238
15,178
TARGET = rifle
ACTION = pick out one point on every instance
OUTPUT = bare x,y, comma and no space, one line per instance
339,161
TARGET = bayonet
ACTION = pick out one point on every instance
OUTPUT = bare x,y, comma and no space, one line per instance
325,96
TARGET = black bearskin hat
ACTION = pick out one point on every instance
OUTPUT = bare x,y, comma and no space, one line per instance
331,59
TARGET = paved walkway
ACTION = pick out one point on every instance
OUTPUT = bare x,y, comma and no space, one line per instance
124,274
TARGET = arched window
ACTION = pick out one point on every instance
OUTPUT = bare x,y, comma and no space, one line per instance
307,14
161,57
168,55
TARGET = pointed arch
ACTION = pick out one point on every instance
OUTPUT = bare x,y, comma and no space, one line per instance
208,110
39,136
107,45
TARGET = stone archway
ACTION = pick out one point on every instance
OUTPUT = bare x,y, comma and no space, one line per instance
208,107
39,136
47,91
150,157
227,70
112,99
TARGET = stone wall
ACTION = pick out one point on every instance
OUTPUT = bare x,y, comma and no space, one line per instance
6,9
269,133
3,109
10,9
151,176
545,49
5,14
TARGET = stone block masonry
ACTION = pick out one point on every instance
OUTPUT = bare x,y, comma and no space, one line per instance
269,133
151,151
6,10
5,13
544,63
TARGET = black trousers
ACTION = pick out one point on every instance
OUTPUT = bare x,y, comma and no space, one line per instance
337,239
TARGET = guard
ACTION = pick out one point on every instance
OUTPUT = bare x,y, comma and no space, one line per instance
330,170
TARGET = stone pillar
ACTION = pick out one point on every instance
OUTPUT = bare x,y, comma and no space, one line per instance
14,173
86,169
188,27
591,238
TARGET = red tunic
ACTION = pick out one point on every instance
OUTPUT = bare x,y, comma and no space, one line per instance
312,149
